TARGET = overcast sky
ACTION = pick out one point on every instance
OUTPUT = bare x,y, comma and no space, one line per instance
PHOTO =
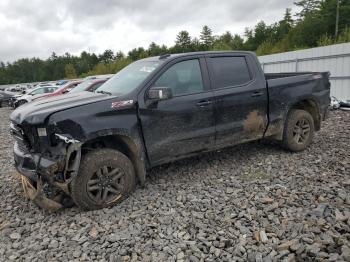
36,28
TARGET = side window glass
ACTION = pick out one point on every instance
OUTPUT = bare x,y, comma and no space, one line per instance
96,86
183,78
38,91
230,71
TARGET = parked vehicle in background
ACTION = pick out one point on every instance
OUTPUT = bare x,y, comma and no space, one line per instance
95,146
6,98
99,77
42,84
89,85
32,95
63,89
62,82
12,89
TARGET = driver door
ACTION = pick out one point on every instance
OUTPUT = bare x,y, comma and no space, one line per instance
184,124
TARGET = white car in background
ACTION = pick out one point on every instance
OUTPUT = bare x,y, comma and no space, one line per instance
33,94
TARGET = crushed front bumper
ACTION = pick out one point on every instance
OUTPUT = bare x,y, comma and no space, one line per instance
30,165
37,195
35,171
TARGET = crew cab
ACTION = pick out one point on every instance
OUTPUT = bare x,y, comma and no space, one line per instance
94,147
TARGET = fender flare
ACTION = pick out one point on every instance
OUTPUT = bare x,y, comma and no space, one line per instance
132,143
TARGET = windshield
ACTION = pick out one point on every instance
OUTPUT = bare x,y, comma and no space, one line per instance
68,86
129,78
81,87
37,91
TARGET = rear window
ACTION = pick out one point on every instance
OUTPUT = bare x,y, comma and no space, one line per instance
230,71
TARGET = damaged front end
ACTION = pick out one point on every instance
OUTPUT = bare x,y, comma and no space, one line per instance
37,195
46,164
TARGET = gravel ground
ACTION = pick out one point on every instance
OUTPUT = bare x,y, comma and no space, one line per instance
254,202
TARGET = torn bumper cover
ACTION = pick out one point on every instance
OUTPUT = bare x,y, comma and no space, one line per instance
37,195
40,170
30,165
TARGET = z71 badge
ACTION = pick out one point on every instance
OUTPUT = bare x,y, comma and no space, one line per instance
120,104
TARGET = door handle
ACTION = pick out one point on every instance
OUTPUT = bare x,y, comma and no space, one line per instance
256,94
204,103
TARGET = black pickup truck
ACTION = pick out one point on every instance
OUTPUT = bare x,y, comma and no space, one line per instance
95,147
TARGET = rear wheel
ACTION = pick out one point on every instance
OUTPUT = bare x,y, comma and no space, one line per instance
298,131
105,178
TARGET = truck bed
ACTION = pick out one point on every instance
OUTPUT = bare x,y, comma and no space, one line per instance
294,78
286,89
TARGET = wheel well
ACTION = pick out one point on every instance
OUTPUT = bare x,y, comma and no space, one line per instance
311,107
125,145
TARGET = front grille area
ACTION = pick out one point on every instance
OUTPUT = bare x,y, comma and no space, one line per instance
20,136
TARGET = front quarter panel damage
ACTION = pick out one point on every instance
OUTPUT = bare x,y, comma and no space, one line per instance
69,139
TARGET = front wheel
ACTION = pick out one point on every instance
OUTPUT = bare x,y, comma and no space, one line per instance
21,102
105,178
298,130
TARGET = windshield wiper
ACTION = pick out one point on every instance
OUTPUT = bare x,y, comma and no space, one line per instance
104,92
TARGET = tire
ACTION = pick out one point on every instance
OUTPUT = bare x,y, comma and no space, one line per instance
20,103
101,171
298,131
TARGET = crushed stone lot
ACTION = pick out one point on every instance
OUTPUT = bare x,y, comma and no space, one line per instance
253,202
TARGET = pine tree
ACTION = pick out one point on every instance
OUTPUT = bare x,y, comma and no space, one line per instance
206,37
183,41
284,26
307,7
107,56
287,19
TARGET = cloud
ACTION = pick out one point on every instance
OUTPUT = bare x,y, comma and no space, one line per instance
37,28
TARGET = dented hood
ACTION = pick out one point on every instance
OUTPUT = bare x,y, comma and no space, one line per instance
37,111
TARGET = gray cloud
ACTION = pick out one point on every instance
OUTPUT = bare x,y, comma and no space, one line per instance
39,27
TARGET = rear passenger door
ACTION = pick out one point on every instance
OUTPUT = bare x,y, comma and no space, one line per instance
240,107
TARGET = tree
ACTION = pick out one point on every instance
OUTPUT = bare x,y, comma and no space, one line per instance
228,42
328,11
287,23
119,55
226,37
107,56
308,7
154,49
70,71
183,42
137,53
196,45
206,37
256,37
315,26
237,42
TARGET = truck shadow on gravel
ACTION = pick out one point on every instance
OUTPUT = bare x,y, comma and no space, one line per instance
240,156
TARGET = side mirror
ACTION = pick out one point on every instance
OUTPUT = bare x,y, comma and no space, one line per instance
160,93
66,91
